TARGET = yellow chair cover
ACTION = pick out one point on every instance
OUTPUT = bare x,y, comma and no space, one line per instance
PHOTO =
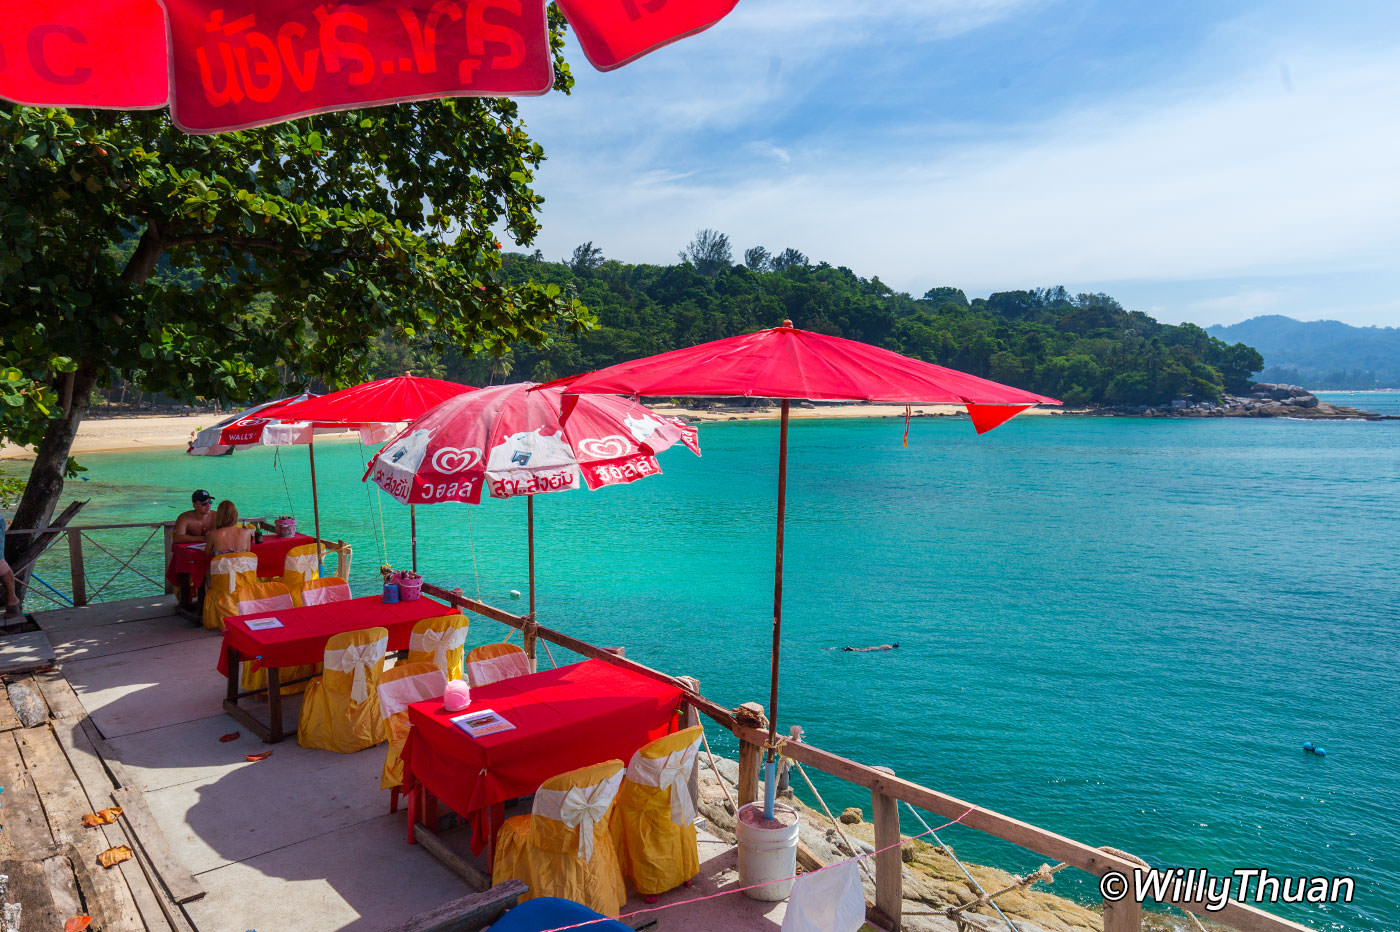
440,641
491,663
402,684
322,590
228,573
563,847
654,820
300,568
341,709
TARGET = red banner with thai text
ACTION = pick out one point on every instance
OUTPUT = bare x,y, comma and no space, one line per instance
83,53
615,32
241,63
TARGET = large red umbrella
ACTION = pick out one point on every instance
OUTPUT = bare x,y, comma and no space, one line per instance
788,363
384,403
232,64
524,439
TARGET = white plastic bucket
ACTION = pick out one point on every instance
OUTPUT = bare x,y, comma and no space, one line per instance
767,850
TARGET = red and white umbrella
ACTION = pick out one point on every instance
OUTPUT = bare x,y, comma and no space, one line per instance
239,429
524,439
376,409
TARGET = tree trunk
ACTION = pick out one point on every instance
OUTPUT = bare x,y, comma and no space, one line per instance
50,463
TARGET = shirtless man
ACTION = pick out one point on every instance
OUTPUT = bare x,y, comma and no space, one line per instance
193,525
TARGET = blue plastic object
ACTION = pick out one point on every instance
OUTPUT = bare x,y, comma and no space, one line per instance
1319,752
770,787
551,912
1308,746
391,592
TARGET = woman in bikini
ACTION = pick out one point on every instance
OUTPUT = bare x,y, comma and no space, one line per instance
228,536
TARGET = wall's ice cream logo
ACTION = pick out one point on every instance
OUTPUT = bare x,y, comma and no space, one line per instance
607,448
449,460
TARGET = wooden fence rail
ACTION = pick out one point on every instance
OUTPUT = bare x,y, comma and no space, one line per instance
77,553
887,791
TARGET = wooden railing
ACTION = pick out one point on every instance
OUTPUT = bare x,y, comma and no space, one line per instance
887,790
79,539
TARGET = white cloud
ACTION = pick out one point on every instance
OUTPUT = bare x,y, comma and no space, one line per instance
1243,178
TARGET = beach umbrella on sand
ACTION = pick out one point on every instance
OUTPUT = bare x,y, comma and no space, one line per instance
524,439
786,363
377,409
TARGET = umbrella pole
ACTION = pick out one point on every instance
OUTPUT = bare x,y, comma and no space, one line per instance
770,782
530,534
413,534
315,506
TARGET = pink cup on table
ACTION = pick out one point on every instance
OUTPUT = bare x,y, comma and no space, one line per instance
457,696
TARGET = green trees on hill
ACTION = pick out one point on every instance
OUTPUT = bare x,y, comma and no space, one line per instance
1083,349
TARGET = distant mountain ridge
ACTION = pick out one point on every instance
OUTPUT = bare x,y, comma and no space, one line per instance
1319,354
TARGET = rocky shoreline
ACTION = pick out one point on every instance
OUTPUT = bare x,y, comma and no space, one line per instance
1265,399
932,880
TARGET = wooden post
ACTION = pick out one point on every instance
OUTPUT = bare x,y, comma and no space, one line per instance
75,567
529,634
169,552
691,716
1123,916
749,755
889,868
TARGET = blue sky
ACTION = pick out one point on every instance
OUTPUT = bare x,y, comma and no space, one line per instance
1198,161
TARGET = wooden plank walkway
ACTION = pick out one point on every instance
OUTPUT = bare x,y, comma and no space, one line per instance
50,857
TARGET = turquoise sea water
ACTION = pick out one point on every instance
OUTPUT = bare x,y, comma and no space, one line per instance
1122,630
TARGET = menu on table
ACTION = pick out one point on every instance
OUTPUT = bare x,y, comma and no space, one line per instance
481,722
263,624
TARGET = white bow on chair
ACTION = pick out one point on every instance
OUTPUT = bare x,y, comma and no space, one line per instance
304,563
582,807
232,566
671,771
358,658
439,642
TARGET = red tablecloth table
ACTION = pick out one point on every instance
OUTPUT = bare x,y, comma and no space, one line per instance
302,640
565,718
192,560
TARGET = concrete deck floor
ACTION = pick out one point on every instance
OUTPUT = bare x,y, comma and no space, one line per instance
302,840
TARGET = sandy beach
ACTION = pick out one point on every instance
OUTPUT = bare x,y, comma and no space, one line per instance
109,434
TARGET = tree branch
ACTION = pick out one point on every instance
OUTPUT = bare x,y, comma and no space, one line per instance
143,260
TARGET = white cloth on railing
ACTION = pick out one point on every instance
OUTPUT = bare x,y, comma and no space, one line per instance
583,808
357,658
232,566
304,563
438,642
495,669
397,695
671,771
828,900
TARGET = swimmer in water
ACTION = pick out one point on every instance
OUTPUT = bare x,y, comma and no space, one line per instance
861,650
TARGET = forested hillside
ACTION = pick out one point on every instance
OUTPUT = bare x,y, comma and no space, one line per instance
1321,354
1084,349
